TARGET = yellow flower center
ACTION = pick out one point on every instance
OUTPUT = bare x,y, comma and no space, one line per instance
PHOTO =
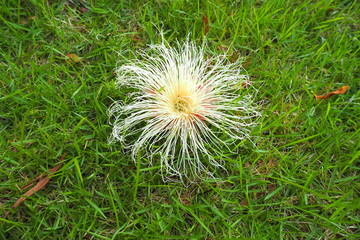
182,104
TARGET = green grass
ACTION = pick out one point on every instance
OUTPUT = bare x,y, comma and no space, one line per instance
301,181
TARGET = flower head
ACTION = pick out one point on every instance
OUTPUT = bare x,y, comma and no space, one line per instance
182,105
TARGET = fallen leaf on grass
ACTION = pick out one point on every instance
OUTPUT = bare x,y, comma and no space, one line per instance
43,180
326,96
69,3
24,21
244,203
206,27
73,58
84,10
77,5
246,84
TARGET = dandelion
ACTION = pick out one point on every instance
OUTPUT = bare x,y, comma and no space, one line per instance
183,106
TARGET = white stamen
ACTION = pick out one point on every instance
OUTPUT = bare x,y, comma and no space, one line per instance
185,101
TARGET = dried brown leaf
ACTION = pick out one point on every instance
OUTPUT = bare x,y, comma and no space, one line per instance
244,203
246,83
73,58
43,180
326,96
84,10
206,26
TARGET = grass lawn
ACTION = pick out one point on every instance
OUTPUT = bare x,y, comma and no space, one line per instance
300,181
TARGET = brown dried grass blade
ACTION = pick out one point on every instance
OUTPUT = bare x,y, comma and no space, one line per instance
73,58
326,96
43,180
206,26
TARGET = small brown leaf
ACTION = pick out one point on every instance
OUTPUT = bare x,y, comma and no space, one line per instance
206,27
326,96
87,236
84,10
244,203
73,58
246,84
24,21
43,180
69,3
271,187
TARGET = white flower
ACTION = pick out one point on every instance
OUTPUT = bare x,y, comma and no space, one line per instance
183,106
